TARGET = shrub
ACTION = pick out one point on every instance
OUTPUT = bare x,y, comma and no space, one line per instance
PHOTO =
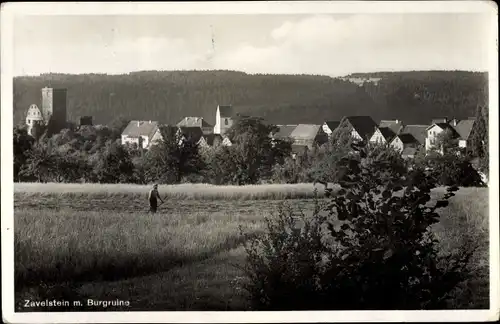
369,248
288,172
452,169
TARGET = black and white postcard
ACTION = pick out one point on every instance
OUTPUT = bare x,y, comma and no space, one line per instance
217,162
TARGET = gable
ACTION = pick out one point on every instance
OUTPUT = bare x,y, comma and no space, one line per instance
332,125
387,133
433,126
377,133
396,140
364,126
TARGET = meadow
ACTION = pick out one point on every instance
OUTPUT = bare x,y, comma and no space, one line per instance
89,241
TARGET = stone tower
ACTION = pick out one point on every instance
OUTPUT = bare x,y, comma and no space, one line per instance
54,108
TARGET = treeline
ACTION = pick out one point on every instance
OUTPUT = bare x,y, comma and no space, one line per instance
168,96
95,154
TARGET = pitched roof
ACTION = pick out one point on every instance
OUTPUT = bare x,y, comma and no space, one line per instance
136,128
419,132
332,124
407,139
394,125
305,131
213,138
193,122
387,133
284,131
193,133
225,111
464,128
363,125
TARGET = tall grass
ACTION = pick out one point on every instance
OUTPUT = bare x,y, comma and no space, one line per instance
180,191
85,246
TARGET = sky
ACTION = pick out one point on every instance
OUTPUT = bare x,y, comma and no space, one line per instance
333,44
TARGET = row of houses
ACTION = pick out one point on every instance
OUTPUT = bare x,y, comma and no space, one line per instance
145,133
405,138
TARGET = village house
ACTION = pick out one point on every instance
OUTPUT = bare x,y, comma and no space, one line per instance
330,126
141,133
196,122
307,136
386,131
410,139
362,128
223,119
203,141
435,129
465,129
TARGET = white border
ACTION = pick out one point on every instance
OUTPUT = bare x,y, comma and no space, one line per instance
9,10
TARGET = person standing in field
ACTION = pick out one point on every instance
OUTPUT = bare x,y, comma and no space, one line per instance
153,199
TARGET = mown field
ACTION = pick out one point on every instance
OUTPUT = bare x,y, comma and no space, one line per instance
79,242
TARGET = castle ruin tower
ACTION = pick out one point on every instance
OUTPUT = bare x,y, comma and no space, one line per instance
54,103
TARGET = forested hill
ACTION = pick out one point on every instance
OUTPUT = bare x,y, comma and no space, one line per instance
415,97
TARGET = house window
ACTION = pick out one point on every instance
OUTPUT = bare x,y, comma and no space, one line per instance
225,121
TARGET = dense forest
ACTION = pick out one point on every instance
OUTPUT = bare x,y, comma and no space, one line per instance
168,96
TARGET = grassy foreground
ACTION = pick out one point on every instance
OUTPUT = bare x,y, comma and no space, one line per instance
186,257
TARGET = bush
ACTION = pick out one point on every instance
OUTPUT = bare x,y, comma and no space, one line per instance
452,169
369,248
288,172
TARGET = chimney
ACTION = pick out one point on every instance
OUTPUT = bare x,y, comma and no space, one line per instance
397,121
138,123
150,122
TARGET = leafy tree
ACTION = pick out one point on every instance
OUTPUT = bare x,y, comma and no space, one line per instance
280,150
40,163
323,167
172,158
22,145
117,126
251,147
221,167
287,172
114,164
374,236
